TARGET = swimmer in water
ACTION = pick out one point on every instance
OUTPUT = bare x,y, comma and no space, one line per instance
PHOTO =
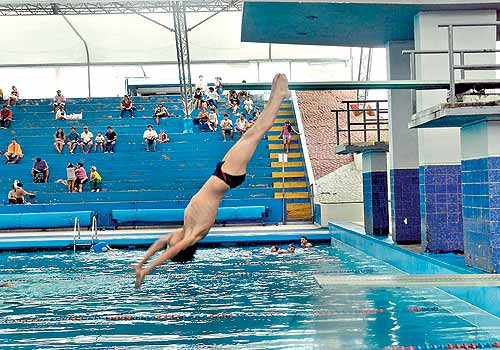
6,285
274,249
304,243
199,215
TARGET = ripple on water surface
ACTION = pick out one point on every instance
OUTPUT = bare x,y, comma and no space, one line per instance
228,298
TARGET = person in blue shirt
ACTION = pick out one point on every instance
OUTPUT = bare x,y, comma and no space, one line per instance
72,140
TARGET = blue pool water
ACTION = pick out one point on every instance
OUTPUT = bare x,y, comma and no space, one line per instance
229,298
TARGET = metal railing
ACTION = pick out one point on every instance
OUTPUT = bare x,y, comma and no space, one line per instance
372,119
451,52
76,233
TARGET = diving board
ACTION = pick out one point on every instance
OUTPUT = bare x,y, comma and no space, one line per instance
393,281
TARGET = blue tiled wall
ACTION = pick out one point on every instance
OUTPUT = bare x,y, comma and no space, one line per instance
405,205
376,203
481,212
441,208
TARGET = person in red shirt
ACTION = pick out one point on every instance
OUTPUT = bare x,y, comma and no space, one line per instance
5,117
126,106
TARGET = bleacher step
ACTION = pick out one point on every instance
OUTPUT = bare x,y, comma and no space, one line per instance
291,184
288,174
286,164
274,146
291,195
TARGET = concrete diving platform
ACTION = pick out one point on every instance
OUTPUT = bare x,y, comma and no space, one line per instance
457,114
362,147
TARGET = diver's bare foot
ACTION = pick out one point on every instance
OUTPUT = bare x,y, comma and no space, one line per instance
139,276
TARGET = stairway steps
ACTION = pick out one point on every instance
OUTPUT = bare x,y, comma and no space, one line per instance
294,195
277,138
291,184
288,174
287,164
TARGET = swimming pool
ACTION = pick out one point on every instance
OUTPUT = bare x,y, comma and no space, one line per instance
229,298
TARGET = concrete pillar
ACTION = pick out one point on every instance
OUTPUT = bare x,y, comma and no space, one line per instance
375,195
439,149
481,194
403,150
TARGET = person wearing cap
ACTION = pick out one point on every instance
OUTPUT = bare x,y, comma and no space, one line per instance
126,107
40,171
150,136
59,100
86,140
72,140
110,137
95,180
5,117
14,152
81,176
160,112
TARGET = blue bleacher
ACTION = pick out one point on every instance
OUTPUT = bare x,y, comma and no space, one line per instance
132,178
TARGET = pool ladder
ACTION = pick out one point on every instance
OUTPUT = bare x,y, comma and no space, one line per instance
77,233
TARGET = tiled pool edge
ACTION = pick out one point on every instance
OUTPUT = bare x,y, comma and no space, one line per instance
485,298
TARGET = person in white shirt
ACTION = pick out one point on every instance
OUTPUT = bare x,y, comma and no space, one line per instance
201,84
86,138
150,136
226,126
212,97
99,142
248,105
241,124
213,120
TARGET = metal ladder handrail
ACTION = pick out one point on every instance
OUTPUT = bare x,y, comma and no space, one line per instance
93,229
76,232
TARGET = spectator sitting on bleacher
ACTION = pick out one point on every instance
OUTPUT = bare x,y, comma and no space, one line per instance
241,124
5,117
160,111
95,180
40,171
212,97
234,101
126,106
14,97
60,112
86,139
110,137
163,137
59,140
59,100
11,196
20,193
99,142
73,140
14,152
242,95
226,126
218,86
256,114
248,105
213,120
150,136
81,176
198,98
203,120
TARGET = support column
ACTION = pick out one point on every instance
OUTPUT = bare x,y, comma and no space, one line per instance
183,58
481,194
403,150
375,196
439,149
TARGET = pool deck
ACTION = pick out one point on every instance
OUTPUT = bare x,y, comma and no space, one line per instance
134,238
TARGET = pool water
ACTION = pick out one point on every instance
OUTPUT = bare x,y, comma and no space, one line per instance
228,298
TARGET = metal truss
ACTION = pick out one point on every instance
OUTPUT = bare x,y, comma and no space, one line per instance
183,59
116,7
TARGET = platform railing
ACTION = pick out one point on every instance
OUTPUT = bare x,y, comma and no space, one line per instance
375,123
451,52
76,233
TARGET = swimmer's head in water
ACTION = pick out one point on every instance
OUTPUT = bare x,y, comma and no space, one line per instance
186,254
291,247
274,249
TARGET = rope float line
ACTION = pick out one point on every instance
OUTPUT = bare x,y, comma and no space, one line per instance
480,345
162,317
